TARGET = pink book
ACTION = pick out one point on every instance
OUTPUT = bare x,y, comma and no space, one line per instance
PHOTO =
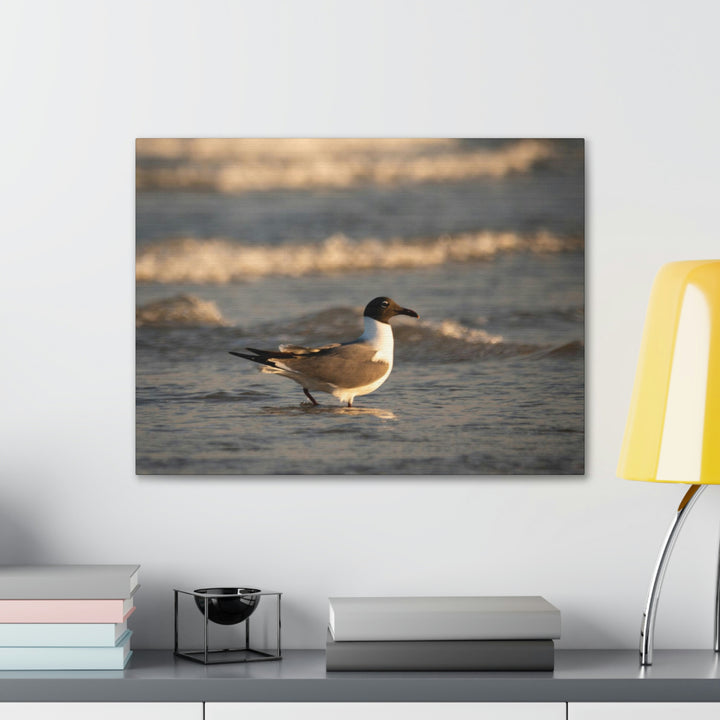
65,611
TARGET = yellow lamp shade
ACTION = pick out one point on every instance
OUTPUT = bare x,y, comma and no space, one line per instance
673,426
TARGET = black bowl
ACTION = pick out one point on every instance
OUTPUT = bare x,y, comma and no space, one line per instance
228,610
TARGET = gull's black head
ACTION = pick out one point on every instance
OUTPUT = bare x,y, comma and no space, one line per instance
383,308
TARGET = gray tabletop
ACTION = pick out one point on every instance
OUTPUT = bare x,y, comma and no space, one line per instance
579,676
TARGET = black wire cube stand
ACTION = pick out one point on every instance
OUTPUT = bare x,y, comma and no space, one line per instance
208,602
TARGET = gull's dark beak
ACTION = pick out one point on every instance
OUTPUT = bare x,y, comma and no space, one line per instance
407,311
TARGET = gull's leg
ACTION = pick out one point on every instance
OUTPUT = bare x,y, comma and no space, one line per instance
310,397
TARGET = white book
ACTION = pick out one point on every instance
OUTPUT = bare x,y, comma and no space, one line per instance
61,634
443,618
67,658
68,582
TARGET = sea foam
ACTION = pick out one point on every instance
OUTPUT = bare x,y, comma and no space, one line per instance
242,165
193,260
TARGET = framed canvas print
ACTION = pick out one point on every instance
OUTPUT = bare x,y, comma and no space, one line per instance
360,306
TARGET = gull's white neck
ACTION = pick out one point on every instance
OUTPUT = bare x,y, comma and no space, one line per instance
380,336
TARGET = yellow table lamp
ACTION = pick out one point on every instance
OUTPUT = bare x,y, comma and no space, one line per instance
673,426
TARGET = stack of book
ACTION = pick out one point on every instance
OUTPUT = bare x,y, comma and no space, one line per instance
442,633
66,617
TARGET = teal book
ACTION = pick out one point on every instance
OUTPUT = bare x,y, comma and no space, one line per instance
67,658
61,634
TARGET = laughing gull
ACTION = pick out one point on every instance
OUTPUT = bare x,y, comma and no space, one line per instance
343,370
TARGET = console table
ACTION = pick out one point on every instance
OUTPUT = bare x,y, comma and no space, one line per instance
583,684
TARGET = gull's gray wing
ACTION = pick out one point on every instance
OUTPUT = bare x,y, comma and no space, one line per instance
301,350
347,366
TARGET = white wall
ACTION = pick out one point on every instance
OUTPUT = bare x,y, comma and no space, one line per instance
80,80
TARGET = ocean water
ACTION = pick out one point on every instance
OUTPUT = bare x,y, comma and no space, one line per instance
258,243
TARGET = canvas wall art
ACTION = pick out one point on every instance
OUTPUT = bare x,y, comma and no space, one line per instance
360,306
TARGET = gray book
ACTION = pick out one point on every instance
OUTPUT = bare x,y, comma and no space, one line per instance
443,618
440,655
68,582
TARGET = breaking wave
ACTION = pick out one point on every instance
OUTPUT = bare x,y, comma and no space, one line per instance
431,340
450,340
205,331
191,260
241,165
179,311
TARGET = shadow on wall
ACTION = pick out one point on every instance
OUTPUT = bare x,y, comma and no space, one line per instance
582,629
18,544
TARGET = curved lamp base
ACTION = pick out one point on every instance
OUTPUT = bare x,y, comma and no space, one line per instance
648,622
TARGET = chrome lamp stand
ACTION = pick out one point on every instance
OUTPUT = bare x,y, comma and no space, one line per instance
647,630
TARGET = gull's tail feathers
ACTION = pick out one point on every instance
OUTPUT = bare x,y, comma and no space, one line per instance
259,356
